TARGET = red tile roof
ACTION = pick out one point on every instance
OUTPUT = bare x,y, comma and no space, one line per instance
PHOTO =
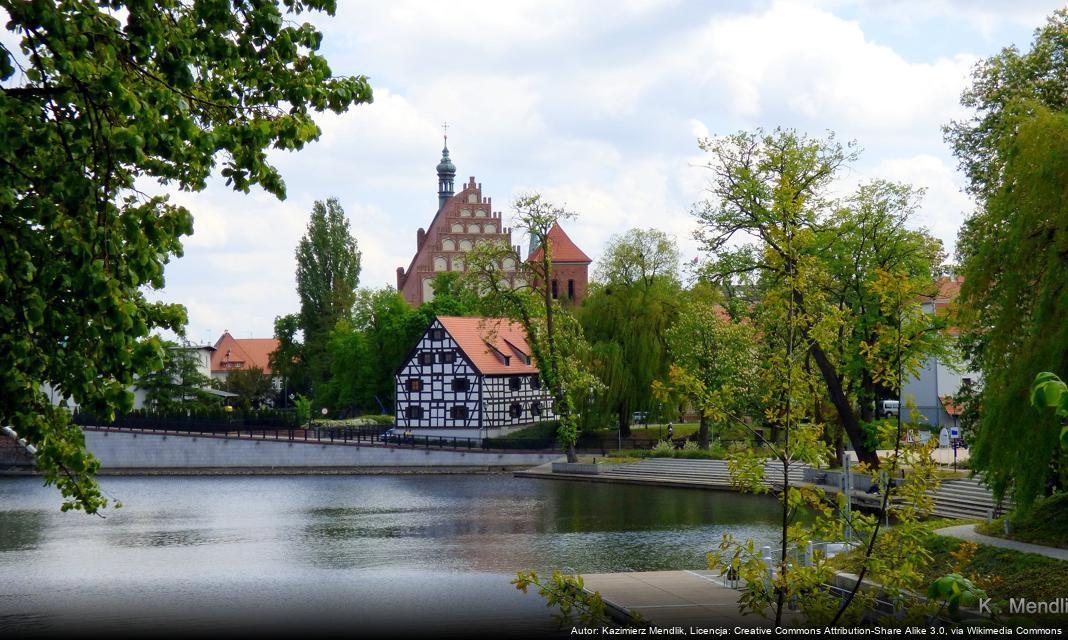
952,407
563,249
486,340
249,352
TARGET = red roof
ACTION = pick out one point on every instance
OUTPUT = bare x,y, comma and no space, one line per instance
487,342
563,249
242,353
952,407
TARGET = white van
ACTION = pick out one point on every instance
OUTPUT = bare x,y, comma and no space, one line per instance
887,408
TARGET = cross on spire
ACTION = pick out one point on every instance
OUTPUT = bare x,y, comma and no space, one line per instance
445,128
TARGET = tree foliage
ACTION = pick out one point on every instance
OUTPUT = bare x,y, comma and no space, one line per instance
98,96
179,384
253,387
1014,302
773,189
626,315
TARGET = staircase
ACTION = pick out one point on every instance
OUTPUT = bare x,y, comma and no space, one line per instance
700,472
966,499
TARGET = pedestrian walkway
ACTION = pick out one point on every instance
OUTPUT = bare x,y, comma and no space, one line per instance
968,532
675,598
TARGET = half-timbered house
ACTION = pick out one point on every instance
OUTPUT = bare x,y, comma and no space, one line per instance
471,373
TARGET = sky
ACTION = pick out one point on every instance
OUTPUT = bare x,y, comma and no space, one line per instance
596,105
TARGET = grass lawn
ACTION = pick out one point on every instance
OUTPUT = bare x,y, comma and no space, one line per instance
1002,573
1046,523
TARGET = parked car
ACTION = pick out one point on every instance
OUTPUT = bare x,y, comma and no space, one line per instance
887,408
639,417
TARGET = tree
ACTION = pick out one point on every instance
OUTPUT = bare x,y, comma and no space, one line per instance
774,188
714,364
1011,253
558,347
252,386
96,97
625,317
1014,299
328,272
287,361
179,384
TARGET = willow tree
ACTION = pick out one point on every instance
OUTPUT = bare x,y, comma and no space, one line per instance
626,316
558,347
98,96
1014,297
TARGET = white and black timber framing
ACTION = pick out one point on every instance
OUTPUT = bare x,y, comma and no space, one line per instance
430,389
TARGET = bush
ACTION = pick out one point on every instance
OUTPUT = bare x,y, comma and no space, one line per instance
663,449
1045,523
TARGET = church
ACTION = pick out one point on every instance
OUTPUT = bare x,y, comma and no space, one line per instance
465,218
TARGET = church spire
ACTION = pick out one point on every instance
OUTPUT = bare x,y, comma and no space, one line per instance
446,171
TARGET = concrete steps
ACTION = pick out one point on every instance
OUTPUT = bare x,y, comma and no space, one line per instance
697,471
966,498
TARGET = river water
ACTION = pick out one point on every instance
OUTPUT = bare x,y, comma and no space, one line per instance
396,554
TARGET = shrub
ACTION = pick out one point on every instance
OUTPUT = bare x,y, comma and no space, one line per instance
663,449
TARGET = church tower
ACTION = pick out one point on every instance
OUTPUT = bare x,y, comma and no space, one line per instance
465,218
446,175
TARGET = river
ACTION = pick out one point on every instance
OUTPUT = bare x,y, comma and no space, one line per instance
385,553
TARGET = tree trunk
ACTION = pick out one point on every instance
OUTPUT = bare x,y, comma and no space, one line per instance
624,423
702,433
846,416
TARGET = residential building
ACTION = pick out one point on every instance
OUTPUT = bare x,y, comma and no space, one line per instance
470,377
236,354
939,380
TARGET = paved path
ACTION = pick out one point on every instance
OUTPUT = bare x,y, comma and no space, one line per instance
968,532
676,598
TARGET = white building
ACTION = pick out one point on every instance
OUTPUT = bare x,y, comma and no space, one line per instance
938,382
471,377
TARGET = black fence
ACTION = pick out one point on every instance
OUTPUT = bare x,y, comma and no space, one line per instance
214,422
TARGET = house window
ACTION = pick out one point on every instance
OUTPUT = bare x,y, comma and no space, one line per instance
556,294
516,410
415,384
535,408
514,383
414,412
458,412
461,384
966,382
426,357
437,335
447,357
535,382
571,289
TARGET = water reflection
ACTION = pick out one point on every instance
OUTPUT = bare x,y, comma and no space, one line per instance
185,550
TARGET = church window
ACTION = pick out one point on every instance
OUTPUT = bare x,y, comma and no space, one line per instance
415,384
520,283
466,213
414,411
515,410
461,384
428,290
447,357
458,412
480,213
490,228
458,263
457,227
465,245
448,244
508,264
514,383
473,228
473,199
440,264
426,357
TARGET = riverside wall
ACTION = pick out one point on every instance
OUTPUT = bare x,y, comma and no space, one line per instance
128,452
